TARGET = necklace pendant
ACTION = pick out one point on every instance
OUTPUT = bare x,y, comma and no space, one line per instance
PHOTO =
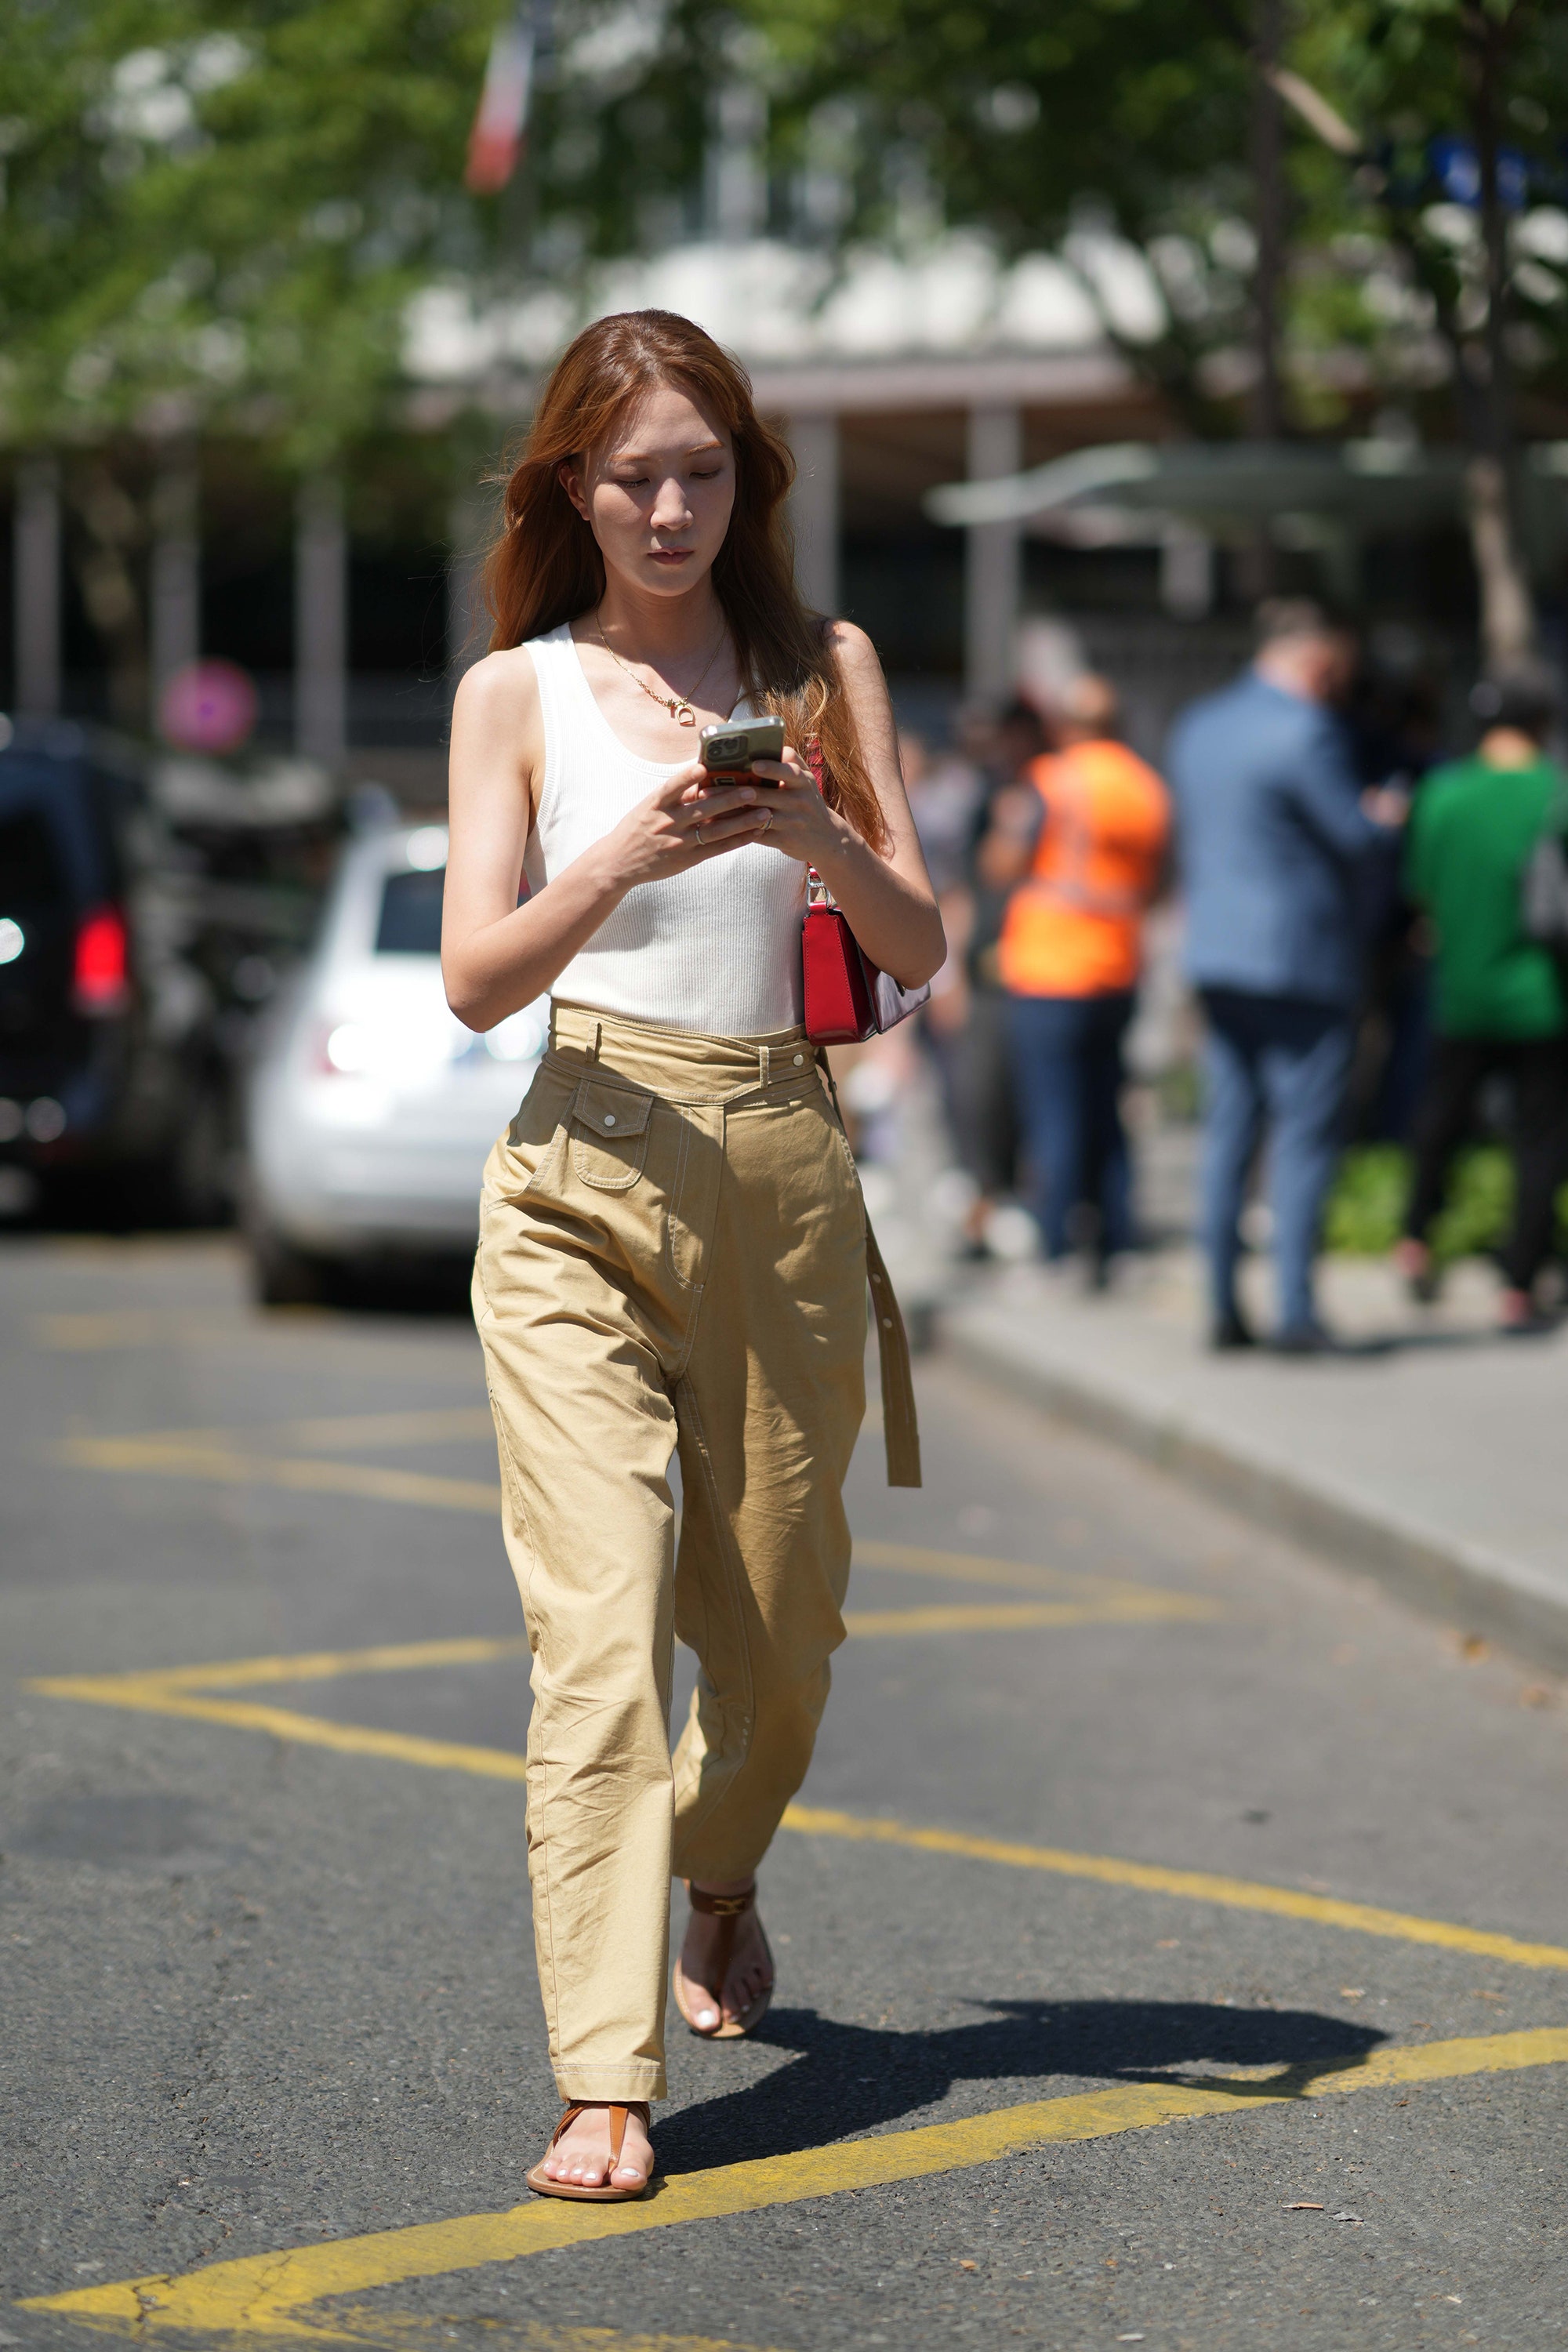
683,714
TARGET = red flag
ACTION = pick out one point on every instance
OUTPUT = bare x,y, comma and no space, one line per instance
495,142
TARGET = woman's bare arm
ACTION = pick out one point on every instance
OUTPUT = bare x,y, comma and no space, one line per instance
497,956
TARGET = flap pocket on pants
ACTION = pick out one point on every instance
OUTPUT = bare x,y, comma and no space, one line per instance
609,1135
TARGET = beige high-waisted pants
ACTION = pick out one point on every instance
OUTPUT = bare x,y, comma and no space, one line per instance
673,1256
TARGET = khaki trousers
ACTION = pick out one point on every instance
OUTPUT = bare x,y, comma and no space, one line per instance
673,1258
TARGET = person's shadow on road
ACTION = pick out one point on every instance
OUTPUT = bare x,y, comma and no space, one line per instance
850,2079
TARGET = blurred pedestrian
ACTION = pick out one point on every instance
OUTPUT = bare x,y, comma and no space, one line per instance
1274,842
1086,861
987,1114
1501,1004
943,791
1394,719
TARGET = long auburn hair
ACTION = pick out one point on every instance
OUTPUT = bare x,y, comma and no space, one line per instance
545,567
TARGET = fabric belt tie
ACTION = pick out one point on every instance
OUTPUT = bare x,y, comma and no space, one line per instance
900,1427
900,1422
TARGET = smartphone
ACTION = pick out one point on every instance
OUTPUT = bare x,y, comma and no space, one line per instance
729,749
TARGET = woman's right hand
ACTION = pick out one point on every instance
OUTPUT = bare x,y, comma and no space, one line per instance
687,819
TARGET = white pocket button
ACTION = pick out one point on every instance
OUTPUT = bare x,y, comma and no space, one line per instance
798,1060
609,1118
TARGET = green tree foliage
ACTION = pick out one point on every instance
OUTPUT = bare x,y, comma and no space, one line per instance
1029,124
1413,78
220,207
216,214
1023,119
1016,111
217,211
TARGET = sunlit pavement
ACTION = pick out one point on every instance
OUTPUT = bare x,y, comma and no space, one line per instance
1427,1450
1173,1933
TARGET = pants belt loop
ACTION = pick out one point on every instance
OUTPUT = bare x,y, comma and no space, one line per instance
598,1040
764,1065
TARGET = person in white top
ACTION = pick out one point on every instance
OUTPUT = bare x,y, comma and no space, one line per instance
673,1251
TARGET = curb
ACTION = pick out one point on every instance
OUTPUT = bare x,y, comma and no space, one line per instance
1443,1577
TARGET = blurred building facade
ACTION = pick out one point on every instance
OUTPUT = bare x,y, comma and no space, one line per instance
354,603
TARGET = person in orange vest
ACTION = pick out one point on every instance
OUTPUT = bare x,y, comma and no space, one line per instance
1083,841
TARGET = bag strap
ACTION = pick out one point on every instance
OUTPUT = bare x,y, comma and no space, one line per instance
900,1422
817,893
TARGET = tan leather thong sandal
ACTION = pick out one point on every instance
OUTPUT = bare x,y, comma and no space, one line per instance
729,1910
539,2180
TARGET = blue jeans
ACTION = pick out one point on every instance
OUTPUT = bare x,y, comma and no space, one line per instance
1067,1068
1280,1058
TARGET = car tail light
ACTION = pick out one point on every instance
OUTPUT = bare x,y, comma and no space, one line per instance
100,980
341,1049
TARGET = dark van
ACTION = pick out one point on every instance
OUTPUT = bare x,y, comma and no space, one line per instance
111,1081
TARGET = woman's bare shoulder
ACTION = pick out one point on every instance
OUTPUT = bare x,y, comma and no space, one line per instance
854,652
501,688
865,688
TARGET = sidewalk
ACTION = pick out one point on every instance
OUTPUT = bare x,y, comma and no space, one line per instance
1432,1454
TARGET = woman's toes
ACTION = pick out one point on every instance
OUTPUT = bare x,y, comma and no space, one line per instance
704,2006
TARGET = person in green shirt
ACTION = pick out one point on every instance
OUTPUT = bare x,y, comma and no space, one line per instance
1500,1005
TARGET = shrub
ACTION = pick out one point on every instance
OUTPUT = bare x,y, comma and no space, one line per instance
1366,1207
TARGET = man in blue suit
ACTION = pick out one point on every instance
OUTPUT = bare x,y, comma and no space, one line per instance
1274,847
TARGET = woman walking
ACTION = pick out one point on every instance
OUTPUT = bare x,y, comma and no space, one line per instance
673,1251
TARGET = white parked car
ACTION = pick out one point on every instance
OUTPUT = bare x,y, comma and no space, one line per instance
371,1108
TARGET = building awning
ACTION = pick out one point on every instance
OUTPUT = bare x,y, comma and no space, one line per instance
1362,488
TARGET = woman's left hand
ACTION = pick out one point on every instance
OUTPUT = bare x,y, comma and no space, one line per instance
801,823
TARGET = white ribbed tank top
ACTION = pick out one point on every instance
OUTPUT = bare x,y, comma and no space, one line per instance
715,949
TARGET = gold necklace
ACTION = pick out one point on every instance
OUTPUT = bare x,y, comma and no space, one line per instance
678,704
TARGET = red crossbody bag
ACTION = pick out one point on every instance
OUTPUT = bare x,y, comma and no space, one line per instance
846,997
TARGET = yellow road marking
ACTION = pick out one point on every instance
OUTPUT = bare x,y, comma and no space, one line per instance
326,1665
433,1425
1193,1885
214,1454
127,1327
182,1458
1115,1609
437,1425
265,2295
975,1568
147,1695
179,1692
389,2331
135,1327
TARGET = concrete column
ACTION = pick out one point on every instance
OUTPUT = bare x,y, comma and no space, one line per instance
175,591
1187,572
992,584
35,587
320,622
813,509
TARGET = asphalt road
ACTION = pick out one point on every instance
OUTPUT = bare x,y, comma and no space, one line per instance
1072,2072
